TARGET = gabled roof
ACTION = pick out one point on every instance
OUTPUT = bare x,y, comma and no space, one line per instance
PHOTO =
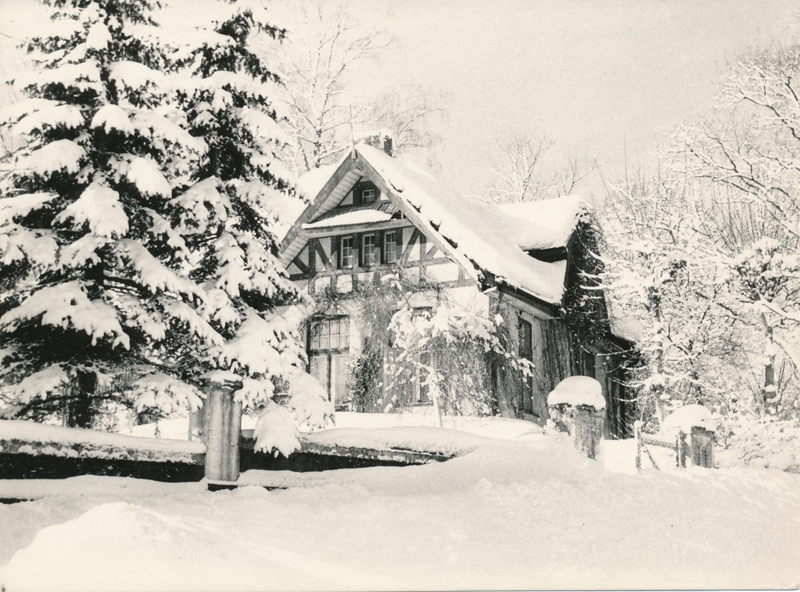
482,237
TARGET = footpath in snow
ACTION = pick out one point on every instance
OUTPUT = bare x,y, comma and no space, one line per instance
525,512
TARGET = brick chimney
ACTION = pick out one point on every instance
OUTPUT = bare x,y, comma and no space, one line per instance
381,140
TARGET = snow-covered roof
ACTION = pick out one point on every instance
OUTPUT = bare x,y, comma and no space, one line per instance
493,238
362,216
309,184
622,324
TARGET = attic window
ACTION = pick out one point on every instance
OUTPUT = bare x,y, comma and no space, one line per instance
365,192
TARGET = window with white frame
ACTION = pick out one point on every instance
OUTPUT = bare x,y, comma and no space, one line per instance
329,356
346,258
390,246
368,195
371,254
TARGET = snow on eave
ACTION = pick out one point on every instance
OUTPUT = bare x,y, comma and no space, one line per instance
365,216
475,234
479,236
309,184
622,326
544,224
292,242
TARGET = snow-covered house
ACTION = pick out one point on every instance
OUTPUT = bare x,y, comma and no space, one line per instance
372,215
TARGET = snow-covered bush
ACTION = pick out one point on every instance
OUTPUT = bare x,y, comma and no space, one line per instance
450,349
276,431
763,442
767,278
136,250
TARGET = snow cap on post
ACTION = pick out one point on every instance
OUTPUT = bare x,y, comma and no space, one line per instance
578,390
686,417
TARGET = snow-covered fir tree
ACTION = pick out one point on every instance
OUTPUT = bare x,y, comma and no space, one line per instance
136,243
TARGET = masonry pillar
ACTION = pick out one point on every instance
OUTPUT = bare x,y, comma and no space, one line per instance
223,423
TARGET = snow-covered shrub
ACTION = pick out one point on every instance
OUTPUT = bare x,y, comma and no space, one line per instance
308,402
763,442
766,276
276,431
136,243
450,349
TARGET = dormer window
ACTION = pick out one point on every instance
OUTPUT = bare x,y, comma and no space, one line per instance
368,195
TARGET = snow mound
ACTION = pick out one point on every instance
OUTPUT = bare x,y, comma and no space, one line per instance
578,390
308,402
276,431
131,548
686,417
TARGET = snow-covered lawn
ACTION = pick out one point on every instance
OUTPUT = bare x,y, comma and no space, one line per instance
522,512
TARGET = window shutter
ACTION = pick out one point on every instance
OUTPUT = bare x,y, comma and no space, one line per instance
359,257
335,258
380,246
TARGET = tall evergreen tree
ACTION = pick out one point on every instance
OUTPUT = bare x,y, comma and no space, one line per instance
135,224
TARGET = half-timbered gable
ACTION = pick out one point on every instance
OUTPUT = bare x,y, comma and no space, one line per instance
371,215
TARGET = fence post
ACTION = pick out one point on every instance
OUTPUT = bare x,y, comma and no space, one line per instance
680,457
702,447
223,422
588,429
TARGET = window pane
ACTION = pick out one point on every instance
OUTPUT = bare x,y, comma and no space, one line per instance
370,250
347,251
390,248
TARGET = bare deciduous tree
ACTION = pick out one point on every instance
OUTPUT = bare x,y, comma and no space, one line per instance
521,174
323,48
412,114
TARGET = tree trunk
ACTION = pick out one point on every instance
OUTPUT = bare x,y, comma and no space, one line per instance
768,388
658,358
80,405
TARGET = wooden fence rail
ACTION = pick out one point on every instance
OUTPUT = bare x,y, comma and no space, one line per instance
700,449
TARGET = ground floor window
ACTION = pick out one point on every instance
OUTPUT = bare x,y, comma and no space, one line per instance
329,356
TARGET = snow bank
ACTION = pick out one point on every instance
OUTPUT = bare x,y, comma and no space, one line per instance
427,440
510,515
765,442
578,390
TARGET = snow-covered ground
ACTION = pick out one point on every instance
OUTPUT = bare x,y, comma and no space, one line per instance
524,511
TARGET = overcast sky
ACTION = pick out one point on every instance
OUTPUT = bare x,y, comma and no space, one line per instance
596,75
600,76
